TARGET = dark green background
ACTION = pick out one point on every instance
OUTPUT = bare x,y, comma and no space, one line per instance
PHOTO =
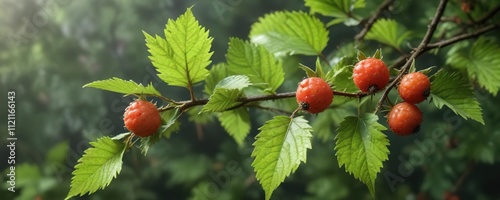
50,49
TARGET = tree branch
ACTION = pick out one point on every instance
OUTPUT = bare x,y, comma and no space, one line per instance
461,37
488,15
443,43
184,105
416,52
385,5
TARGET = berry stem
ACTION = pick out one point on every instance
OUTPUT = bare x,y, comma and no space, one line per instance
416,52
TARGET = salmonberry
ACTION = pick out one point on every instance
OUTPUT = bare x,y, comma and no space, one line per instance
404,118
370,75
414,87
314,95
142,118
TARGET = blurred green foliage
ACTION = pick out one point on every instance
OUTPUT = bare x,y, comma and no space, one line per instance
50,49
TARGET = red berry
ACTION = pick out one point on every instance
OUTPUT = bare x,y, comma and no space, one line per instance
142,118
314,95
404,118
371,75
414,87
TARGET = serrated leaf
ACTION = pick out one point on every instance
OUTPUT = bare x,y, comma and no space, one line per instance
182,57
284,32
235,82
97,167
389,32
340,9
341,75
221,100
121,136
256,62
124,87
362,147
217,73
226,93
280,147
456,93
237,123
482,63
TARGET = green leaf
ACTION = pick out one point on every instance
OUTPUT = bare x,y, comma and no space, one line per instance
362,147
256,62
172,123
122,86
226,93
361,55
97,167
340,75
378,54
319,68
308,70
181,59
121,136
280,147
237,82
217,73
340,9
237,123
389,32
482,63
169,125
456,93
290,32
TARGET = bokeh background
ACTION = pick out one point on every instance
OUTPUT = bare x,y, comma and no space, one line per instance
50,48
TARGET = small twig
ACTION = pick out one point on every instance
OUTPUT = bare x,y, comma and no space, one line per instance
385,5
271,109
165,99
461,37
488,15
416,52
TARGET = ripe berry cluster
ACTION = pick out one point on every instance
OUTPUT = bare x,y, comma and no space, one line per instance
405,118
369,75
372,75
